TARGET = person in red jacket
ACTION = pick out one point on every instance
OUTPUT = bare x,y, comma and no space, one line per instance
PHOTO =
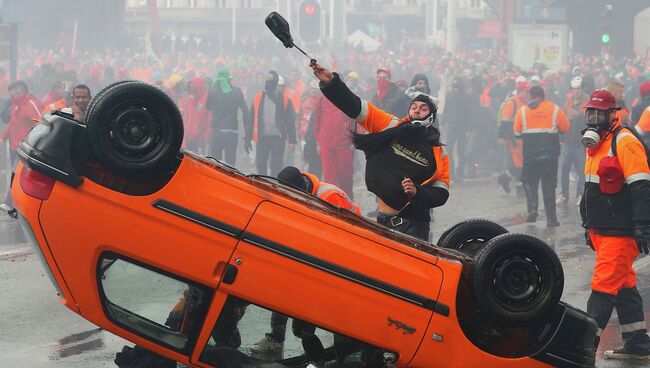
331,130
24,113
195,116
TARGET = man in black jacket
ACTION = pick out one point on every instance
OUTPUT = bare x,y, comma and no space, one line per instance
406,165
224,101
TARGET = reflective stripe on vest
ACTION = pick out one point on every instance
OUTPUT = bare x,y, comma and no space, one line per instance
324,189
553,129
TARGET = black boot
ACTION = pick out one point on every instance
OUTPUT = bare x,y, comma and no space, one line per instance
504,181
532,201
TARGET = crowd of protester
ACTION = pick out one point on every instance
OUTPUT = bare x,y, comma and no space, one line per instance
471,88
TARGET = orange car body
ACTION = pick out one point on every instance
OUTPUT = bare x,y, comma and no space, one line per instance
289,253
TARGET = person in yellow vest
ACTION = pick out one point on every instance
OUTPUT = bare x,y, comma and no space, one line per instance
615,211
270,124
538,124
406,165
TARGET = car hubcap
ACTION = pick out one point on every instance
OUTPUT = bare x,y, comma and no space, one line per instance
517,280
135,132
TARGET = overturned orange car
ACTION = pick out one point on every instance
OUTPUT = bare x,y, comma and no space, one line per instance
189,258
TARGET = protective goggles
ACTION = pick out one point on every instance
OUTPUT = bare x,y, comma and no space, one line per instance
598,118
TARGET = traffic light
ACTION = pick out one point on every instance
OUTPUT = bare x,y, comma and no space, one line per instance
309,18
606,24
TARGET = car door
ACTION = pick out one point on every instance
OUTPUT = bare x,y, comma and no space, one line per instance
146,267
319,272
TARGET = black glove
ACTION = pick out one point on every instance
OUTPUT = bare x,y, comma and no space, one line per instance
642,237
588,240
248,146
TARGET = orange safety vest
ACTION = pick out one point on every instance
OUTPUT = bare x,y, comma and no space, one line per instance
609,211
643,126
546,118
256,112
332,194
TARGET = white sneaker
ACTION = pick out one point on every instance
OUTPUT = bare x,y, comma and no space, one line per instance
623,354
267,345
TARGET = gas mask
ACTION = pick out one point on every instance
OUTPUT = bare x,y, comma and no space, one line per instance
598,123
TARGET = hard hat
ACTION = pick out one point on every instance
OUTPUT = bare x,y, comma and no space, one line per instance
520,79
174,79
354,75
601,100
280,81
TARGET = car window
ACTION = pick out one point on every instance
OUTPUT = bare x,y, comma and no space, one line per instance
150,303
242,331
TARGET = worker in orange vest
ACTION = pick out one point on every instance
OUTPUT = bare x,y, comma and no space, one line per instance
539,124
270,125
615,210
311,184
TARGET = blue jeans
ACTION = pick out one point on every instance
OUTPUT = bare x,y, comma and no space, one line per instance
574,156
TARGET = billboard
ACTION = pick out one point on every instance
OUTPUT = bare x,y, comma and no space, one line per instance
530,43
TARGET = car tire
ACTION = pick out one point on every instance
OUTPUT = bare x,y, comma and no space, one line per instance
134,128
470,235
516,279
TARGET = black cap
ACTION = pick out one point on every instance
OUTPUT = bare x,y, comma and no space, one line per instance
424,98
293,177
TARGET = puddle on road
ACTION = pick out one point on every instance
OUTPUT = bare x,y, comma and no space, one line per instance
76,344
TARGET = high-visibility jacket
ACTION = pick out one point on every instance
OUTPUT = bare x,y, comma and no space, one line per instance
332,194
618,212
384,177
643,126
395,154
539,124
510,108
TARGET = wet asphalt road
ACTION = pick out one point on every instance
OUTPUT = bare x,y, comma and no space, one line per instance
38,332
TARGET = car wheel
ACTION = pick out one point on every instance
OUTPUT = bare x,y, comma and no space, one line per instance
516,278
470,235
135,129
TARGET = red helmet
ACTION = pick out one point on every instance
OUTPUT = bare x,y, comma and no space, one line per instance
601,100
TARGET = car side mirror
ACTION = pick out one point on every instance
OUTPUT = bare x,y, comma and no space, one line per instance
280,28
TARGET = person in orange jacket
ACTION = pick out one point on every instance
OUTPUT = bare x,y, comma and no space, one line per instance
539,124
273,342
406,165
24,113
311,184
615,211
505,135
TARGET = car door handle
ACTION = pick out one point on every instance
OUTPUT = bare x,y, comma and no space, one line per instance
230,274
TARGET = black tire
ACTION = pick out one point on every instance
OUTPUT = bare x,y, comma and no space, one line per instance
135,129
516,279
470,235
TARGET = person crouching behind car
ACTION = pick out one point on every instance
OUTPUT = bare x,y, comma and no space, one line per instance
407,166
308,183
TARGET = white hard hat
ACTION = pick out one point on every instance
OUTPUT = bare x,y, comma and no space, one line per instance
521,79
280,81
534,78
576,82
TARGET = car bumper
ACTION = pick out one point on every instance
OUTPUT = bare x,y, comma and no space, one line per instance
571,341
